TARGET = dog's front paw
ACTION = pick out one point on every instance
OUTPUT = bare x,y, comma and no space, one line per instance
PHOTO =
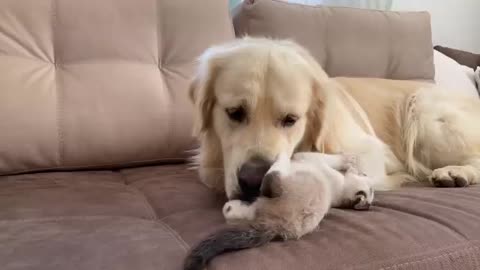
237,210
450,176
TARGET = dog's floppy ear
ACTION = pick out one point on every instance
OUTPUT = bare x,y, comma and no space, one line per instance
271,185
315,119
201,90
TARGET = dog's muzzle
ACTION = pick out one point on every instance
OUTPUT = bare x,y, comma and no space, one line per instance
250,177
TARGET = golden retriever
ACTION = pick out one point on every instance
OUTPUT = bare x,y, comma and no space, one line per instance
255,98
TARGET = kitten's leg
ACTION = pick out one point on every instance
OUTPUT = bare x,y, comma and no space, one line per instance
281,165
236,210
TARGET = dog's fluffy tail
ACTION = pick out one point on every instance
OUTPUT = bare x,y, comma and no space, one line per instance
411,131
226,240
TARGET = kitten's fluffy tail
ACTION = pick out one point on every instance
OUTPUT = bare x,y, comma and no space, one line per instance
225,240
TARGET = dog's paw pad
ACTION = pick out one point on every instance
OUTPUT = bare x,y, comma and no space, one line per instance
459,179
442,182
451,176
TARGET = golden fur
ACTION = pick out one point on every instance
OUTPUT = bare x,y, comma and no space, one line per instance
401,130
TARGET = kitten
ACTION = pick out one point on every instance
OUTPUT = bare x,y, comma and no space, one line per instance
295,196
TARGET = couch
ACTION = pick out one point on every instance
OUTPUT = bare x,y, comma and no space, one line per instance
471,60
95,136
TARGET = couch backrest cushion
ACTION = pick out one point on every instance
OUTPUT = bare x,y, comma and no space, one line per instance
347,41
100,83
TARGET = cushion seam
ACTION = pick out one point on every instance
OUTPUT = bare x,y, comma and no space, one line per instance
24,57
122,165
84,217
142,183
175,234
146,203
391,48
59,109
163,225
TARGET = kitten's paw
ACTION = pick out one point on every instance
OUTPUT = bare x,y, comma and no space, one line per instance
361,201
238,210
352,166
302,156
351,162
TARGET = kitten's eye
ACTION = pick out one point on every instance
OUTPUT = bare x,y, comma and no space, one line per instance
289,120
237,114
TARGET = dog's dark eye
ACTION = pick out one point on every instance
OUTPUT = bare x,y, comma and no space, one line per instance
237,114
289,120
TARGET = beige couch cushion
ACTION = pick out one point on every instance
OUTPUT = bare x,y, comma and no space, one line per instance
100,83
347,41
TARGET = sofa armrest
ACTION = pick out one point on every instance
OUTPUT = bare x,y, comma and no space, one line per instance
462,57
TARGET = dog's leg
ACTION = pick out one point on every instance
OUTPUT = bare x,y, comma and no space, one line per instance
457,176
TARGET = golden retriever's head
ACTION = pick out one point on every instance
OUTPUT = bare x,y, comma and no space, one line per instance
254,99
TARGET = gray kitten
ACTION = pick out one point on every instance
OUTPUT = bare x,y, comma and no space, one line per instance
295,196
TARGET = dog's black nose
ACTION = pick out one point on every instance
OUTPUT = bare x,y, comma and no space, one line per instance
250,177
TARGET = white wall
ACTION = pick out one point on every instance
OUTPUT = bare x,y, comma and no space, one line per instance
455,23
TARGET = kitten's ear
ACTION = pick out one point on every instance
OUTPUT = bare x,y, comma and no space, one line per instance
271,185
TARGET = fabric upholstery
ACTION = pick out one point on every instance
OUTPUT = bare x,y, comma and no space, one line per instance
453,77
347,41
100,83
147,218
